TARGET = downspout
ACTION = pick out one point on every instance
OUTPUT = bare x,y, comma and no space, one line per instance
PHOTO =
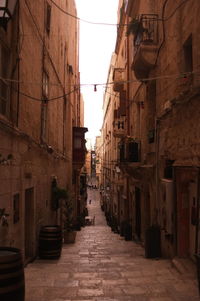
64,104
155,216
128,118
198,207
128,87
18,68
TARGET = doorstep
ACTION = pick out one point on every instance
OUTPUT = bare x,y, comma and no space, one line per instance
185,266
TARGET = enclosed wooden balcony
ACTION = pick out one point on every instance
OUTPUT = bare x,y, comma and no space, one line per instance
79,148
145,46
129,151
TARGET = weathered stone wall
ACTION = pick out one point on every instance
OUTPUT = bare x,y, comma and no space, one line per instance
34,162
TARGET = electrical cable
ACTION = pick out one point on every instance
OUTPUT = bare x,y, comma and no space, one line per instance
95,85
110,24
175,76
79,19
175,10
163,25
43,43
22,35
39,99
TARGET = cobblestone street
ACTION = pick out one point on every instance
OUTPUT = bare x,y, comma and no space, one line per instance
102,266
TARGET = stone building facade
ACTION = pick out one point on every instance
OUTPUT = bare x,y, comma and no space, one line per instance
39,108
156,76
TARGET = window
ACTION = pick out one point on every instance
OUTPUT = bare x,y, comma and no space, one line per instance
151,136
168,169
4,86
188,57
133,154
48,18
70,69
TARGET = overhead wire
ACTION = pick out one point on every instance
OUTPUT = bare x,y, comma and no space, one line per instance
43,43
111,24
177,75
80,19
49,99
77,87
10,80
91,84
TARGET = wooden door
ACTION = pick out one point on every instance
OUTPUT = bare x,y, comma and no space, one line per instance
138,213
184,178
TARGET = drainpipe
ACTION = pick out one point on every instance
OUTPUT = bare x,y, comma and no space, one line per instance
64,103
155,217
128,87
198,207
128,114
18,67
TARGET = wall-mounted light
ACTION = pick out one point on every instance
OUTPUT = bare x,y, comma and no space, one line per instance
7,8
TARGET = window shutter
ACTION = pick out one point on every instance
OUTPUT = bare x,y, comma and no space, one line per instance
133,152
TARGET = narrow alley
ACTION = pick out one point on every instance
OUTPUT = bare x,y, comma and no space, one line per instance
102,266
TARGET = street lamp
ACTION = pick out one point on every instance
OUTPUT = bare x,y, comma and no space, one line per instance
7,8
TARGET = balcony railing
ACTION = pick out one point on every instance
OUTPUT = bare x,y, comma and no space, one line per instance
79,148
119,127
145,45
147,32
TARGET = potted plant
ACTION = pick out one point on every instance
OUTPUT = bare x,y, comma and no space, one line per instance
69,233
134,27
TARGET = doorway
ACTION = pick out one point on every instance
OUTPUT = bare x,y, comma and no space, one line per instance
186,192
193,203
29,225
138,213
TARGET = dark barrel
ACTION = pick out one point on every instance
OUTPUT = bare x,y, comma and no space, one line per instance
12,285
50,242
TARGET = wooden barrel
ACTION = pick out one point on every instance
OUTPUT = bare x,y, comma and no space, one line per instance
50,242
12,285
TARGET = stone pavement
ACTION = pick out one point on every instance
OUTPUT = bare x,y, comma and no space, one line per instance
102,266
